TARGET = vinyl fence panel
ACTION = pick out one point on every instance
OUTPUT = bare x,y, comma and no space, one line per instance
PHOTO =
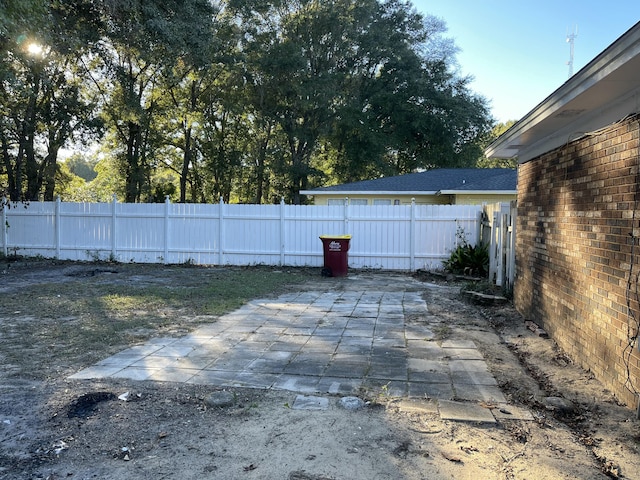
85,229
390,237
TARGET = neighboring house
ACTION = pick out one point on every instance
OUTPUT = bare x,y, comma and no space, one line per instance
578,224
441,186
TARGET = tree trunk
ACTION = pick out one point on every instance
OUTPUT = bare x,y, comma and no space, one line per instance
260,165
257,199
49,173
13,188
134,174
186,161
28,139
299,169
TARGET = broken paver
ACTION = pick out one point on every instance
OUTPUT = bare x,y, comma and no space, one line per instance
220,399
304,402
418,406
464,412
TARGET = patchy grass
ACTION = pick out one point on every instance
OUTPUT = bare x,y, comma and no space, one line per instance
483,286
76,320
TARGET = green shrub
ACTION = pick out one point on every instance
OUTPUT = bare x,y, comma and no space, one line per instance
467,259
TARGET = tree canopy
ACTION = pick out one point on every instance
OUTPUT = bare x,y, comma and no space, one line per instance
495,132
248,101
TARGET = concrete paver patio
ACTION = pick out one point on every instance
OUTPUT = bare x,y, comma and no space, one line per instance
360,332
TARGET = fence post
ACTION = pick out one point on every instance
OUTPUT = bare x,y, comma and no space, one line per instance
58,232
345,228
493,260
412,237
282,230
167,205
502,226
481,225
511,252
220,232
5,227
114,228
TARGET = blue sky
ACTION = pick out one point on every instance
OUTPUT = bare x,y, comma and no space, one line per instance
517,50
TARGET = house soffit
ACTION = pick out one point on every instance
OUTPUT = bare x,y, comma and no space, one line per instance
603,92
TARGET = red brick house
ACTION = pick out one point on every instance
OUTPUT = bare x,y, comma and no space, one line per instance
578,225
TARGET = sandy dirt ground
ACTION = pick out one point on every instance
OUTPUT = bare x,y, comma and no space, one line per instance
57,428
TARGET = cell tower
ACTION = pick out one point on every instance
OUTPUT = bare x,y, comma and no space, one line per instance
571,38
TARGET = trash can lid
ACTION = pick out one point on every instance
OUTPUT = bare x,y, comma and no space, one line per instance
337,237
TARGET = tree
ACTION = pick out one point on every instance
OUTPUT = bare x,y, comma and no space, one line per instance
145,40
105,185
408,108
299,56
205,99
496,131
19,19
266,146
374,82
44,106
81,166
68,185
248,100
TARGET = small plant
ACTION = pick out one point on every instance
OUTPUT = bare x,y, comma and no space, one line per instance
375,396
94,255
467,259
13,253
442,331
384,390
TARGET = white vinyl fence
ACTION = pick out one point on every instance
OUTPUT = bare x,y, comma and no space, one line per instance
394,237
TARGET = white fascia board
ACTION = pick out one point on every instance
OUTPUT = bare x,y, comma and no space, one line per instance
365,192
478,192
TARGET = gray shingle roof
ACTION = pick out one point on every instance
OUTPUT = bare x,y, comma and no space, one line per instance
447,180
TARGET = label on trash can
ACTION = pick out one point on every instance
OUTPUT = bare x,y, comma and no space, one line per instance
335,246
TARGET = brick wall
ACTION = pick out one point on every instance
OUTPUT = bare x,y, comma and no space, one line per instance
577,263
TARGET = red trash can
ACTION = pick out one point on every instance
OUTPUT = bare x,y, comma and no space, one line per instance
336,258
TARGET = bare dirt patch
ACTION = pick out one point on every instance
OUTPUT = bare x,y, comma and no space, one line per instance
57,319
